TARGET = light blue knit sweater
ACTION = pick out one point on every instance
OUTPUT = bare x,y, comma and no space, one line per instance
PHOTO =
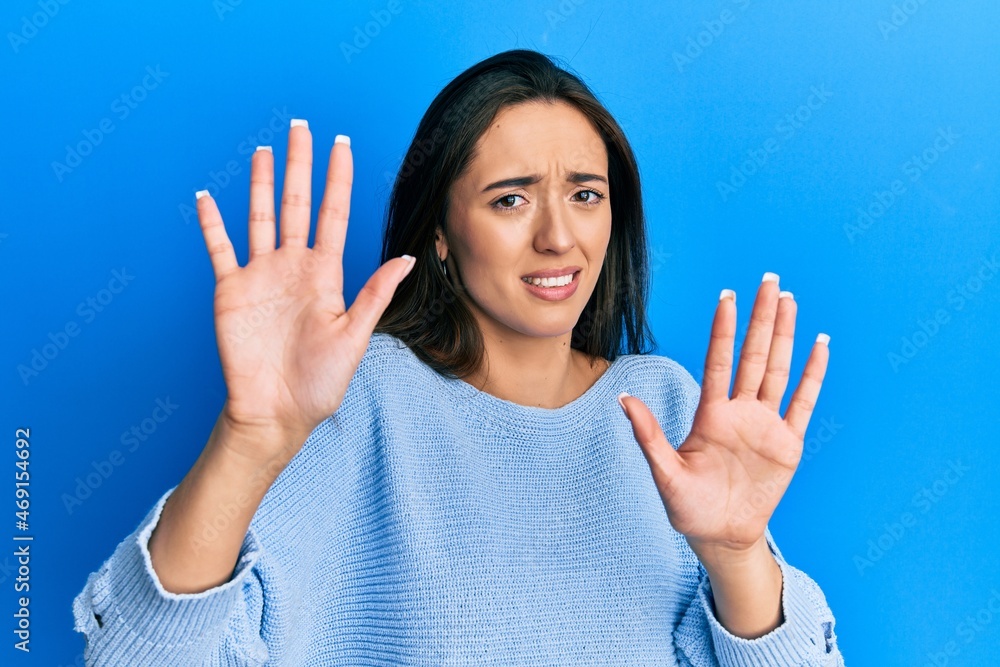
428,523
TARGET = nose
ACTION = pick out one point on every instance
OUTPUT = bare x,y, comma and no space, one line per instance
554,231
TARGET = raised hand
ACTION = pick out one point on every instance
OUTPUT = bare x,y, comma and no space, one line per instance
288,346
721,486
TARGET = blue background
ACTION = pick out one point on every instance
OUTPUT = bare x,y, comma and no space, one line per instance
702,90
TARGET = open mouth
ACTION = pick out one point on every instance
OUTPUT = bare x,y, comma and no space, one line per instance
553,281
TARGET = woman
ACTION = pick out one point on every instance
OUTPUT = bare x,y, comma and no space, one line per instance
438,474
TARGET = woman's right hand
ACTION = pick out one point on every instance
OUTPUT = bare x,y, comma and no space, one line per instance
287,344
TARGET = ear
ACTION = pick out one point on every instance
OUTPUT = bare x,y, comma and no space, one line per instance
441,243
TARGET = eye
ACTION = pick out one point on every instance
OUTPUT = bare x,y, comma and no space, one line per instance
593,199
506,209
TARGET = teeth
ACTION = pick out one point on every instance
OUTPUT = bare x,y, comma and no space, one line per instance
550,282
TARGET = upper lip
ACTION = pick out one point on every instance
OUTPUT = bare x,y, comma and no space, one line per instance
553,273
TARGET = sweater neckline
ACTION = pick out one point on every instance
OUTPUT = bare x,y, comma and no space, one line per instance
587,404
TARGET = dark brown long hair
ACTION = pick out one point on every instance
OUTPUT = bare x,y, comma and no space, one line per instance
427,312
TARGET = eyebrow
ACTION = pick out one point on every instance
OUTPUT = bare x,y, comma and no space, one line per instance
521,181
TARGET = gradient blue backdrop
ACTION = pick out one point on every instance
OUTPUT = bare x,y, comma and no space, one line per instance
763,133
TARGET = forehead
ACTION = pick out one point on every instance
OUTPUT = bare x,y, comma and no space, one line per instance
538,133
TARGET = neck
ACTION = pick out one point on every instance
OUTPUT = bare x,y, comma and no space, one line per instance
544,372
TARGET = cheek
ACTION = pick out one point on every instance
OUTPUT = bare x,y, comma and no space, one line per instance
597,248
488,278
490,251
487,264
606,225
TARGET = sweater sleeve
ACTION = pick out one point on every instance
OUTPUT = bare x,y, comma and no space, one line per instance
806,637
130,619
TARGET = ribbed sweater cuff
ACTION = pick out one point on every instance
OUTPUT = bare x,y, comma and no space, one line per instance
799,640
134,605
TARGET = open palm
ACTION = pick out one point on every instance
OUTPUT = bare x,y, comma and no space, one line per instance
287,345
721,486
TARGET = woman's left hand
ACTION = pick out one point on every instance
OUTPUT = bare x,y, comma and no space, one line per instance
721,486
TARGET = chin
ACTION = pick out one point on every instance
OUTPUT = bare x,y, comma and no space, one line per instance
551,329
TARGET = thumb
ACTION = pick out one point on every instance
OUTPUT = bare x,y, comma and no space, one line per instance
375,295
664,461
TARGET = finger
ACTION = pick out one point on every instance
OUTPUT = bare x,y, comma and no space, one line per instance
753,356
779,359
374,297
220,248
719,359
262,202
803,401
664,461
295,196
331,227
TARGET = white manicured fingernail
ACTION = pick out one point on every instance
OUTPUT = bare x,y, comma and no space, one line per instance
200,194
264,148
823,338
782,295
769,276
342,139
727,292
620,397
411,260
299,121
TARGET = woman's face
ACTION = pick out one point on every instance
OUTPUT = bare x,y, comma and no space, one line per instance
534,199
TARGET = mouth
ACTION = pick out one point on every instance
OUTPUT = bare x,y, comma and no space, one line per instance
552,278
557,287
